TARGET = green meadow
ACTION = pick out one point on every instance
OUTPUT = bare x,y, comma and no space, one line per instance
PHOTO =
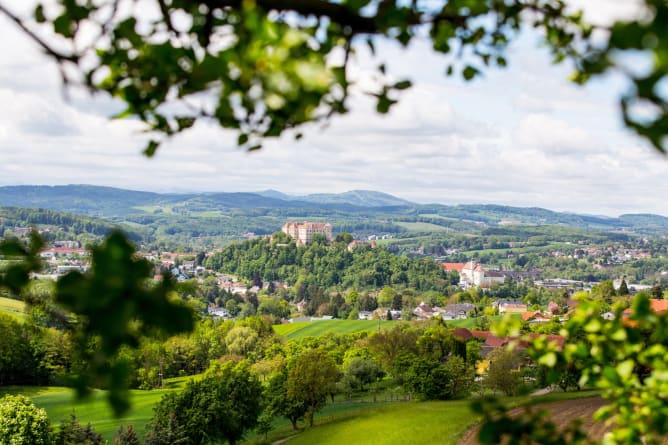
60,403
354,423
14,308
394,423
293,331
299,330
421,227
408,422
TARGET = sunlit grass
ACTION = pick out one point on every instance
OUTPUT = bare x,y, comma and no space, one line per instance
60,403
14,308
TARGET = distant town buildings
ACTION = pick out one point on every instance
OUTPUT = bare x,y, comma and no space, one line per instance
474,274
510,307
355,243
303,232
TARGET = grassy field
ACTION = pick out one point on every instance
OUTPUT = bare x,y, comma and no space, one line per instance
12,307
300,330
394,423
292,331
421,227
408,422
59,403
342,422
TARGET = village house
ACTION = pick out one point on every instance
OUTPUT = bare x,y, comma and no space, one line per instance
218,312
657,306
365,315
424,311
457,311
536,317
355,243
510,307
490,342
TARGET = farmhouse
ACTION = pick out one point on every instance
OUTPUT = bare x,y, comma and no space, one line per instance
457,311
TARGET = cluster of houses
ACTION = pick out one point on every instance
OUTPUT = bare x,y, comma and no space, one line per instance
452,312
63,257
474,274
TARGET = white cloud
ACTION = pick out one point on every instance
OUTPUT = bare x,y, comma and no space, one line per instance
522,136
554,136
606,12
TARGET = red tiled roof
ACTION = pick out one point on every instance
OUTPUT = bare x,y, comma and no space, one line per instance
537,314
462,333
493,341
558,339
453,266
658,306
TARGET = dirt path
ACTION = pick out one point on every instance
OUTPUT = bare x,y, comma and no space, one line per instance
285,439
561,414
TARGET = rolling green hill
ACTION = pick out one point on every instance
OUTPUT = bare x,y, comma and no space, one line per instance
13,308
299,330
293,331
108,201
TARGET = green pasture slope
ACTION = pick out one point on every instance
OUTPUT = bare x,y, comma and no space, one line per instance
300,330
14,308
59,403
395,423
409,422
297,331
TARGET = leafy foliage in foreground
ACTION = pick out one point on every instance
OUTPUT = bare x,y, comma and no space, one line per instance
22,423
114,305
270,67
625,357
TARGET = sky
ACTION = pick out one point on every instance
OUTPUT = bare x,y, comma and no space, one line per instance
523,136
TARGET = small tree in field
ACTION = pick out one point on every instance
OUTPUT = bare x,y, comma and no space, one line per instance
126,436
72,433
502,374
22,423
280,403
311,379
222,406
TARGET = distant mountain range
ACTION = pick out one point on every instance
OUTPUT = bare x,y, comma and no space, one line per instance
361,198
359,204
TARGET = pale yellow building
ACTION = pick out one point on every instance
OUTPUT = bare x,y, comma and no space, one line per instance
303,232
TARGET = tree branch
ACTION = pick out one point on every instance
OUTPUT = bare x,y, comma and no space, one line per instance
336,12
50,51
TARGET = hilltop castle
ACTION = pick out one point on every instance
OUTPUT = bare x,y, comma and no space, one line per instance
303,232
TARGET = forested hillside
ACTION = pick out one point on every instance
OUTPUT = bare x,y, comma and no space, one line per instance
378,211
326,266
60,225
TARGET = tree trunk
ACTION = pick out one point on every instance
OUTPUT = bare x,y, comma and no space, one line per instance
309,416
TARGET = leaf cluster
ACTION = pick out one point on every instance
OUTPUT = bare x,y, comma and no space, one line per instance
263,67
